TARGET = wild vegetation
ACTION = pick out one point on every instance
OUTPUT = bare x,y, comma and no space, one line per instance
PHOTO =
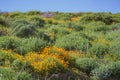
59,46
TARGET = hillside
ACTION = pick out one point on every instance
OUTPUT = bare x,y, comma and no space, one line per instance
38,45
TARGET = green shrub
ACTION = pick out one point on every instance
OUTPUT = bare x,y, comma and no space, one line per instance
63,16
116,18
72,58
112,35
30,44
102,28
97,27
15,14
86,64
73,42
43,35
17,65
76,26
4,22
22,45
37,21
6,56
19,23
56,32
4,31
21,17
90,35
105,72
60,31
7,74
115,48
99,49
25,31
7,42
23,28
33,13
116,26
86,19
24,76
103,17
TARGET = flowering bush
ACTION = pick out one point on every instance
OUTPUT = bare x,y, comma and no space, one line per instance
48,61
9,56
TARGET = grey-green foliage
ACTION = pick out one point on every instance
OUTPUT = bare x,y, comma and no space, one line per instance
4,31
112,35
23,28
116,26
97,27
23,45
86,64
15,14
99,49
103,17
33,13
58,31
6,57
9,74
73,42
63,16
24,76
30,44
41,33
18,65
37,21
7,42
89,35
115,47
76,26
26,31
19,22
4,22
104,72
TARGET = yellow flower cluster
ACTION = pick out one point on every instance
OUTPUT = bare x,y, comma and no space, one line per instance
104,41
59,52
101,40
46,64
49,59
75,18
20,57
8,56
